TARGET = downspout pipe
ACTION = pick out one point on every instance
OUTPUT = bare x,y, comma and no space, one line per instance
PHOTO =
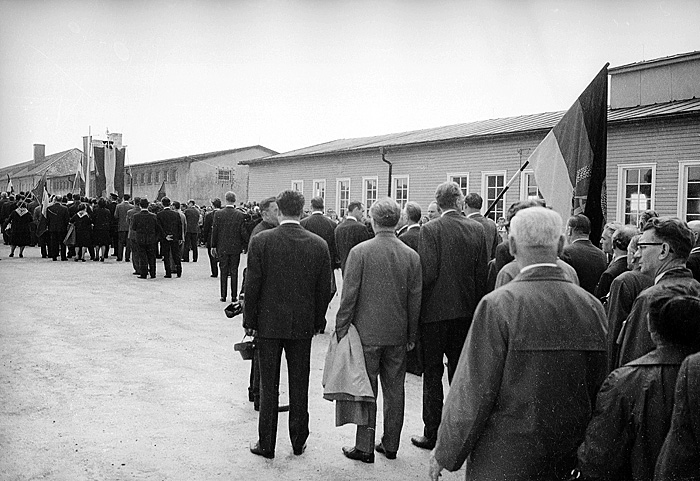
381,151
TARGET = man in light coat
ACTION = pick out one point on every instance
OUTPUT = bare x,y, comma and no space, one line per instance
381,297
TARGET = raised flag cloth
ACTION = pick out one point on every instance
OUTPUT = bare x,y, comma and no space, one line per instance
38,191
161,192
10,188
109,169
570,163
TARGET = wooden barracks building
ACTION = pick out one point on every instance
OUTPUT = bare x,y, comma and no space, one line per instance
653,156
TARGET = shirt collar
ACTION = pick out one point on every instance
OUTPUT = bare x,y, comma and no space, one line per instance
447,212
317,212
417,226
289,221
695,250
350,217
580,239
541,264
473,214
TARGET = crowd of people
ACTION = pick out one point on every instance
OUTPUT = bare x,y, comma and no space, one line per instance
566,360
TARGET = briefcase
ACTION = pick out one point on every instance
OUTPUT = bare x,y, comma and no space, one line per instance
246,348
233,309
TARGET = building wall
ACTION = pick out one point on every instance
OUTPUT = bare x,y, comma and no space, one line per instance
196,178
660,143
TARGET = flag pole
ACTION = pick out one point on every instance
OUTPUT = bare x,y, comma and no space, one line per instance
88,155
505,189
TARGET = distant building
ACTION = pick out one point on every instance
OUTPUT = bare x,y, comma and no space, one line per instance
201,177
653,156
60,171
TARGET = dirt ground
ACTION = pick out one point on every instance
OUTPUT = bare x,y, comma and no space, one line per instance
105,376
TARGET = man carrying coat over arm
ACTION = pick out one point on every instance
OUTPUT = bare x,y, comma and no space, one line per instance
381,297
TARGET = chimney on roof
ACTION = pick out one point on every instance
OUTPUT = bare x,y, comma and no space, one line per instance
39,153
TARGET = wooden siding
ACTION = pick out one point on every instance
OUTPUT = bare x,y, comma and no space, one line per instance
664,142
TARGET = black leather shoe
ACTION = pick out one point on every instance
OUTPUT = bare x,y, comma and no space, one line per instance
283,408
389,454
168,276
357,455
423,442
256,449
300,451
223,299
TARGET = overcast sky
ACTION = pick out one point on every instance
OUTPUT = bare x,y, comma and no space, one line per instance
182,77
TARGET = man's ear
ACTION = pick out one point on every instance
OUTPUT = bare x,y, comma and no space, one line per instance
511,246
665,251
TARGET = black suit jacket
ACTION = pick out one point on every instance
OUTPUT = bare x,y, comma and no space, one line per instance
170,223
616,267
228,235
348,235
411,237
207,226
57,218
146,228
588,261
453,257
322,226
287,283
491,232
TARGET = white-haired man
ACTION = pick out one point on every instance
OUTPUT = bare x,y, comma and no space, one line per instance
526,381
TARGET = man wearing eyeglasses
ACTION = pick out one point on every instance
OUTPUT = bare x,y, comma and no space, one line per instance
662,252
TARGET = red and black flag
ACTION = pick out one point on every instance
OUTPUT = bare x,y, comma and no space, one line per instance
570,162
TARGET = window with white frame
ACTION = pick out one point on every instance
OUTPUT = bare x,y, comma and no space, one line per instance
369,191
223,175
173,177
400,189
143,178
157,174
342,196
165,176
528,186
319,188
635,193
149,177
492,184
689,190
298,186
462,181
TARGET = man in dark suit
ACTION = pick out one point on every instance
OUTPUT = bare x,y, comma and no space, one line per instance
381,298
693,262
192,233
171,226
123,229
206,232
580,253
411,235
147,231
131,236
472,209
619,241
351,232
228,238
453,257
287,291
57,219
322,226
